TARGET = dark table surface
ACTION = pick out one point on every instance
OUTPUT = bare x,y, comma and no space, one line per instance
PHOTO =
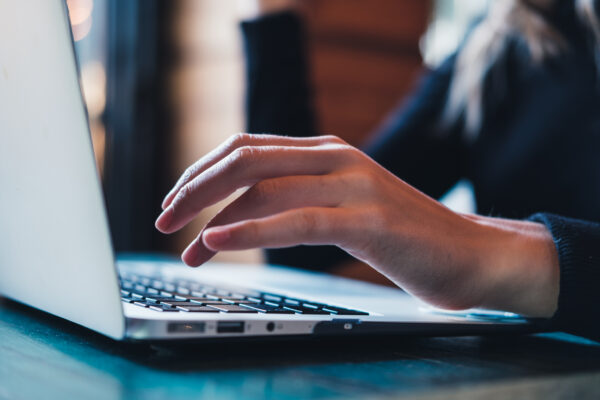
44,357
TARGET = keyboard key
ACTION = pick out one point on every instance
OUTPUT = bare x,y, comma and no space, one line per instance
163,308
237,301
145,281
183,290
271,297
310,305
176,303
249,293
199,298
210,302
159,285
254,299
197,308
232,308
233,297
126,285
129,299
147,292
267,309
158,299
139,288
169,287
308,311
343,311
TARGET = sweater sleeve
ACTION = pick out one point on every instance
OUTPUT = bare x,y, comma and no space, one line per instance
278,97
578,245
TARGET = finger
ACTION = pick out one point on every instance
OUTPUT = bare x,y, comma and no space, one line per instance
313,225
235,142
244,167
270,197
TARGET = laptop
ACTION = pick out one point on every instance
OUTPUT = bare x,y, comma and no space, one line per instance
55,247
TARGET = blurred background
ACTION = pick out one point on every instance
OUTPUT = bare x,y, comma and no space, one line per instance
164,84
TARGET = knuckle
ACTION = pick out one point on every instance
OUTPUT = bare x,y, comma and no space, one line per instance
309,223
361,179
242,156
240,139
234,142
352,152
187,174
182,194
366,179
334,139
251,229
263,191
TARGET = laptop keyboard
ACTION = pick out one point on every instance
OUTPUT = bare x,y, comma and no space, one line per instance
187,296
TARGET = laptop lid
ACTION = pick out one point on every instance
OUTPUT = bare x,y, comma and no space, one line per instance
55,249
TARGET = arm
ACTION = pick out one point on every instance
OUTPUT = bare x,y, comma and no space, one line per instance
321,191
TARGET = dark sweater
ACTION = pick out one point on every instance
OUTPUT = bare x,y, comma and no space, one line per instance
536,151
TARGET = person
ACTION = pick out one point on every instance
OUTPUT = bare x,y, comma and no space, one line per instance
534,151
537,130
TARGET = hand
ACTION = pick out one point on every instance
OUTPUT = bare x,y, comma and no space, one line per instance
321,190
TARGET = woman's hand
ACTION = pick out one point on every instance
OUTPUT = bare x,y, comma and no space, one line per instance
321,190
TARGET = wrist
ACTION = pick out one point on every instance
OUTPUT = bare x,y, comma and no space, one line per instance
517,266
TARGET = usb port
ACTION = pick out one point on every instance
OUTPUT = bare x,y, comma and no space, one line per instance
230,327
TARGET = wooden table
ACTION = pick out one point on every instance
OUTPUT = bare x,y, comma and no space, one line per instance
44,357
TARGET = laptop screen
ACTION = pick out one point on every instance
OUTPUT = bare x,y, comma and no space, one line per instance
55,247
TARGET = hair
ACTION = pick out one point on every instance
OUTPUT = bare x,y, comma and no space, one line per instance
488,41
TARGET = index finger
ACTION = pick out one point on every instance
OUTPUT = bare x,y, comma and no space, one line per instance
235,142
245,167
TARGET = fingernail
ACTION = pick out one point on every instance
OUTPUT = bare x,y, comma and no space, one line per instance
216,237
164,220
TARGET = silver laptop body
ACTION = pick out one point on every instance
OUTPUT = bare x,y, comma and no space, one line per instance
55,249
